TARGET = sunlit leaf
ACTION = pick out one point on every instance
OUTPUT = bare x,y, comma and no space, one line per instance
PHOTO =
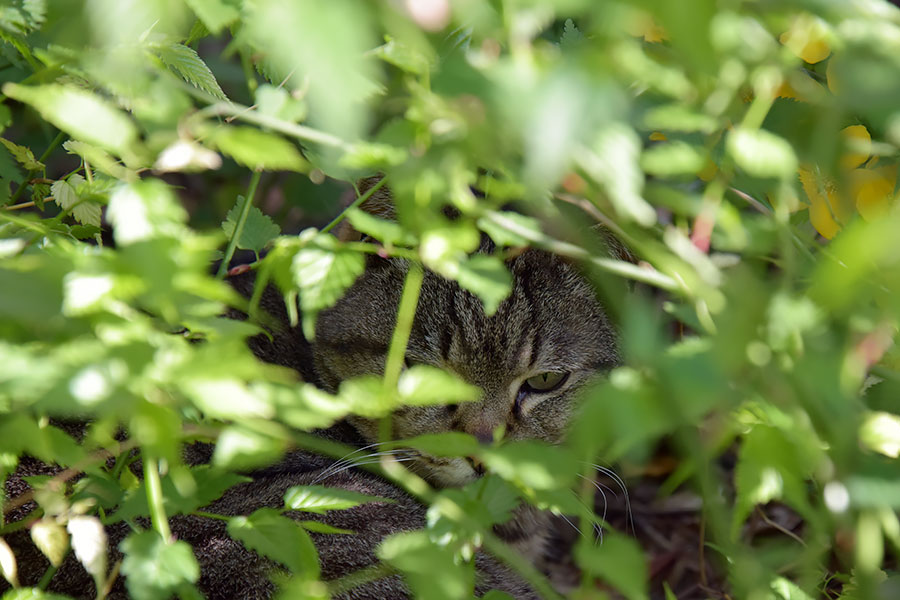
277,537
153,567
79,113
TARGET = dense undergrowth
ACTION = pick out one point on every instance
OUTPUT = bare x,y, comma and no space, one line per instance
744,151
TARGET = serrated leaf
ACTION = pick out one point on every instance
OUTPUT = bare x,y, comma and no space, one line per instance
79,113
761,153
422,385
39,192
153,568
571,36
187,63
319,499
486,277
258,229
65,195
619,561
323,271
279,538
215,14
259,150
23,155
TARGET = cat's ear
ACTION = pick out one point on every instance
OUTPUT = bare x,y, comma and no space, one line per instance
613,246
380,204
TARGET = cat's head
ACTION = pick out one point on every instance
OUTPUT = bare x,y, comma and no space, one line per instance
548,339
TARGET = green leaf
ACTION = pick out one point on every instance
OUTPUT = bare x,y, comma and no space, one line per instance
205,485
504,236
675,117
323,270
23,155
32,594
422,385
215,14
153,569
241,448
447,443
187,63
100,160
761,153
367,155
571,36
420,559
145,210
79,113
64,192
532,464
673,158
259,150
318,499
319,527
619,561
387,232
279,538
277,102
612,162
486,277
258,231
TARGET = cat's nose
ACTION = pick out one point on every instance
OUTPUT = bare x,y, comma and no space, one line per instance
484,435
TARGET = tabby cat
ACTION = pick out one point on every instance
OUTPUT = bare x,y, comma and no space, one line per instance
547,340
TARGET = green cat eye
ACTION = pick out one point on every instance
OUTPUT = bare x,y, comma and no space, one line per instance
546,382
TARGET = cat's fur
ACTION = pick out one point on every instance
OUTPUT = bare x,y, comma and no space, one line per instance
551,322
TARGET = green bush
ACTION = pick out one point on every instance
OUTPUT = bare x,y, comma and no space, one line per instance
725,143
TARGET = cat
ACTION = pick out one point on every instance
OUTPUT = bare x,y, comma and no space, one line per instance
546,341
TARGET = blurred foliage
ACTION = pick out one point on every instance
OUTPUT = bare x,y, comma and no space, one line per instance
724,142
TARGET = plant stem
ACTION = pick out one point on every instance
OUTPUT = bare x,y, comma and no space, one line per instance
406,312
239,226
155,498
359,200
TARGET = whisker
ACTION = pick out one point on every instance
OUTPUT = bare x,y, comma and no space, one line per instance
575,527
366,462
345,463
615,477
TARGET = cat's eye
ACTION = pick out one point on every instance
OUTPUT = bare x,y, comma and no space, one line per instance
545,382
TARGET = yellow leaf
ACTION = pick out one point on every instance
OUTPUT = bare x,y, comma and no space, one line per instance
643,25
658,136
806,37
857,138
822,203
873,190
